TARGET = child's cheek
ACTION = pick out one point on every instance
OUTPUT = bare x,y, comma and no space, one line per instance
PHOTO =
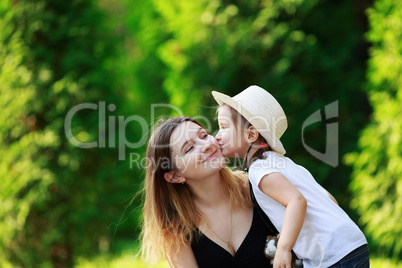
232,138
227,139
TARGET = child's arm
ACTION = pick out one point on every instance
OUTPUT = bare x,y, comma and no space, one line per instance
279,188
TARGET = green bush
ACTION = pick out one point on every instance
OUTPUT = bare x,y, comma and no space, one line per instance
62,204
377,175
57,200
307,53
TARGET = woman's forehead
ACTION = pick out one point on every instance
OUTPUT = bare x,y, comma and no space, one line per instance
184,132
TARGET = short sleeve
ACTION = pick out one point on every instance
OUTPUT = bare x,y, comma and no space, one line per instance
261,167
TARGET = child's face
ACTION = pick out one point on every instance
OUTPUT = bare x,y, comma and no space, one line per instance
232,139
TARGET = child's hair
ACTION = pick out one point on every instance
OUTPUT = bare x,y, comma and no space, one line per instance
241,123
170,214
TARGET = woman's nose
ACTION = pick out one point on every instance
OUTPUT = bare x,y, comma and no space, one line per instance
206,144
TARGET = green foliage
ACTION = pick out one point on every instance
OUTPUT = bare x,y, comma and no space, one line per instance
307,53
126,258
57,199
377,182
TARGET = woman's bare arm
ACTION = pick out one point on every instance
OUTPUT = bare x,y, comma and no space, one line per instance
184,258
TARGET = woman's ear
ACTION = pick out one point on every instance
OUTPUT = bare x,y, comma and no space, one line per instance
252,134
173,178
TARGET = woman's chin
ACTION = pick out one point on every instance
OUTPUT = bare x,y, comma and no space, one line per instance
227,153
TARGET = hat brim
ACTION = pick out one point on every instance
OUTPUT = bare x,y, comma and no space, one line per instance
273,141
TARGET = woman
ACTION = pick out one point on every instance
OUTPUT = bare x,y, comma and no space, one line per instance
197,213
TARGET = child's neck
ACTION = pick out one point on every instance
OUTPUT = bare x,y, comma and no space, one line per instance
248,156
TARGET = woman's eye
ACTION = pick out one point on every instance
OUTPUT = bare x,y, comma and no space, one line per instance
189,149
204,136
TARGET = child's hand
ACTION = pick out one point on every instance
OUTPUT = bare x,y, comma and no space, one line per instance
283,259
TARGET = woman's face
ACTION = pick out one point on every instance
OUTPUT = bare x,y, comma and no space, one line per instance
195,153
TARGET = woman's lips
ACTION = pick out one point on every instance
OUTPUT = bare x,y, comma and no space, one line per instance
211,156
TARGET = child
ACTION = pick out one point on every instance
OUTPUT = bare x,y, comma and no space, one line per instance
310,222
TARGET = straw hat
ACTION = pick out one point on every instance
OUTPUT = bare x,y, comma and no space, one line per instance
262,110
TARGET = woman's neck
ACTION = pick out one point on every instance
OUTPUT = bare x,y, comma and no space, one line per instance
210,192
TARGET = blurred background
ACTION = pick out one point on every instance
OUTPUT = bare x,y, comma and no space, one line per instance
65,206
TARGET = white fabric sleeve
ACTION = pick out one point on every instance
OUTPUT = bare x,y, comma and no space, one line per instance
259,169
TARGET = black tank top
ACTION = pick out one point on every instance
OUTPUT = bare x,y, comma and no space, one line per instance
249,254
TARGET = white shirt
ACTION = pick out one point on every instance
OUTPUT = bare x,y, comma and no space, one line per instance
328,234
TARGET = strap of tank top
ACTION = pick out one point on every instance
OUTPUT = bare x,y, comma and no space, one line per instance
263,216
